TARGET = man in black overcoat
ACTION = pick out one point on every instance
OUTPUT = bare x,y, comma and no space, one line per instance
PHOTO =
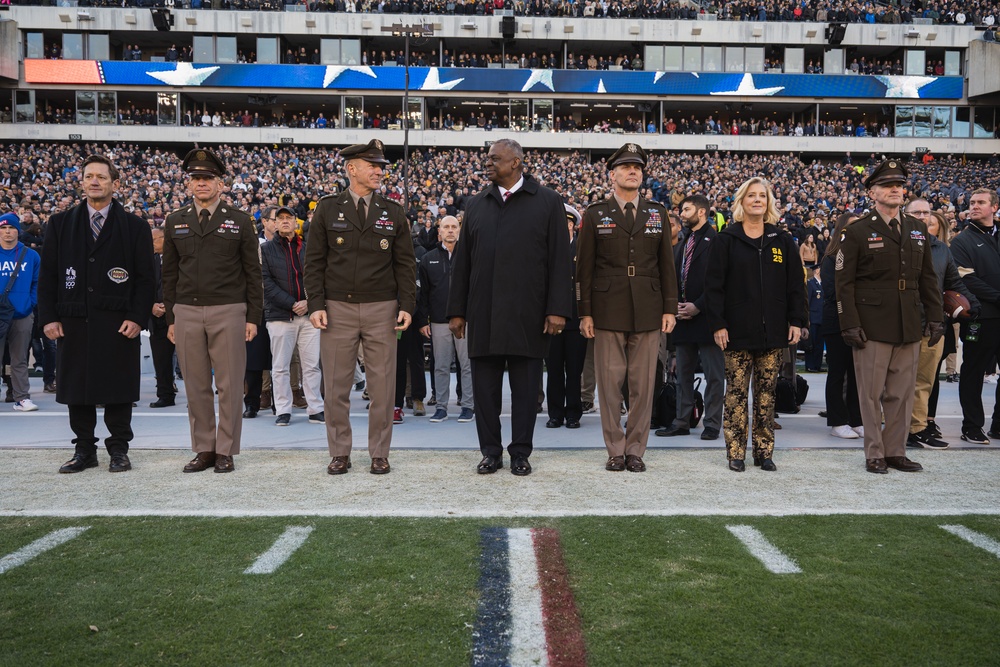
95,293
511,284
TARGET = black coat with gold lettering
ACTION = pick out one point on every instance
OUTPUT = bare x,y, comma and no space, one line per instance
357,261
214,266
882,280
625,276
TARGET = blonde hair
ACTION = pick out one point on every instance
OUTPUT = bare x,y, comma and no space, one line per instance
771,215
943,234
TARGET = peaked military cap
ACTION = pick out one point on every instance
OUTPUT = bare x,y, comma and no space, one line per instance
890,171
628,153
373,151
203,161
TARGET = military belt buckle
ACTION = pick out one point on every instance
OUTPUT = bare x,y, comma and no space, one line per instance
631,271
902,285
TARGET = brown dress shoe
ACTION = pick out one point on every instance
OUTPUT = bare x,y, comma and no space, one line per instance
339,465
634,463
201,461
876,466
380,466
224,463
615,463
903,463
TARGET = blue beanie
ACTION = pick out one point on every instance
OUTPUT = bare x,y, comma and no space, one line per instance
10,219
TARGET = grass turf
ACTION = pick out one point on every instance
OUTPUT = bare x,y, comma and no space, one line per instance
650,590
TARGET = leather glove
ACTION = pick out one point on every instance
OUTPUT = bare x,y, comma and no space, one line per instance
934,331
855,337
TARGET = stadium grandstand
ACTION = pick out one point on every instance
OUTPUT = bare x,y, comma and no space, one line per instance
803,78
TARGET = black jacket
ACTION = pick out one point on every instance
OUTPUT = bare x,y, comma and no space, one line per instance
755,289
695,330
978,250
434,273
947,274
281,266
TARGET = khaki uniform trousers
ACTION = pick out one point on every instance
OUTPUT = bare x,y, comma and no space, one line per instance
927,365
616,352
213,338
886,374
350,325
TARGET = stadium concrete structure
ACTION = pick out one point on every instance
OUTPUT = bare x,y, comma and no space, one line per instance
944,100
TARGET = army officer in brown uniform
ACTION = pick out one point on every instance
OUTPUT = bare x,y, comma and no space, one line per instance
884,276
360,280
627,291
214,297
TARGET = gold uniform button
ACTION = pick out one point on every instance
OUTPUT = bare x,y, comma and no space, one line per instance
340,240
384,244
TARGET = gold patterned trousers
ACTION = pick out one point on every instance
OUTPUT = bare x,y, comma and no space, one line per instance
763,367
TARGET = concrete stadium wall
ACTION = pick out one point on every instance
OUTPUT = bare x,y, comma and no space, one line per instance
10,48
479,139
555,29
983,68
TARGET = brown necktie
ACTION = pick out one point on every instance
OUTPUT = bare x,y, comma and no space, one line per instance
629,215
894,226
362,214
205,215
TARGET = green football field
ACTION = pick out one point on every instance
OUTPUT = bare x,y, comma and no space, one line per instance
872,590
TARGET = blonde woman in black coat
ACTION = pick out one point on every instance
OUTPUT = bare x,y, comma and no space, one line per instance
756,306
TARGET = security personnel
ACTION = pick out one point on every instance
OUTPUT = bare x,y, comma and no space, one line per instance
214,298
360,280
884,273
627,292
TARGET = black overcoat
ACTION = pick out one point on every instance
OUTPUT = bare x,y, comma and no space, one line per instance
92,287
511,268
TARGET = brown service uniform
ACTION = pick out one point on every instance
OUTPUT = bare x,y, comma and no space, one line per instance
882,279
626,282
211,288
362,272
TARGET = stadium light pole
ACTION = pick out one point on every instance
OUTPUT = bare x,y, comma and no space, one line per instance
407,31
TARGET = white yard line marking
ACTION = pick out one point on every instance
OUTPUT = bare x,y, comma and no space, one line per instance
283,548
39,546
527,630
977,539
764,551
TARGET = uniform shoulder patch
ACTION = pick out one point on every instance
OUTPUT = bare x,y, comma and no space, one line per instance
840,260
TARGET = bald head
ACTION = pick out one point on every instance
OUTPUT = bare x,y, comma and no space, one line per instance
448,231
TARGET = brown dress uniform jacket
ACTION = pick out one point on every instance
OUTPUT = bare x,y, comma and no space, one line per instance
200,265
625,277
881,281
359,261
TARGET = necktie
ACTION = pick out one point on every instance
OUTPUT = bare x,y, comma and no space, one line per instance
205,215
362,214
894,226
506,195
96,222
629,215
688,253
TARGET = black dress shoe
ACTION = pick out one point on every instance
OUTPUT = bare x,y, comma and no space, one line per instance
737,465
201,461
764,463
876,466
79,463
555,422
902,463
572,423
710,434
672,430
119,463
489,464
249,413
162,403
520,466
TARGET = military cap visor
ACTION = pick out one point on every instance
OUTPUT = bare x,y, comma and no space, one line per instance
203,161
373,152
628,154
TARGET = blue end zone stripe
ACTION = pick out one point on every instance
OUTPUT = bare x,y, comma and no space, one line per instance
491,636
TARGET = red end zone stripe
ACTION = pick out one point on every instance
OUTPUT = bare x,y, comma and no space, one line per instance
563,633
61,71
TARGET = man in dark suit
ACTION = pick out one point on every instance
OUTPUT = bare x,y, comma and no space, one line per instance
95,287
691,337
511,282
160,346
884,274
814,289
627,292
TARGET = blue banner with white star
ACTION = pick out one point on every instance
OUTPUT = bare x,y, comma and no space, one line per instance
565,82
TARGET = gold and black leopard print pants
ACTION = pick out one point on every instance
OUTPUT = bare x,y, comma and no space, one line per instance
741,366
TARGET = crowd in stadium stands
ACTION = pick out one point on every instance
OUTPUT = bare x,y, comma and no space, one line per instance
44,178
977,12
